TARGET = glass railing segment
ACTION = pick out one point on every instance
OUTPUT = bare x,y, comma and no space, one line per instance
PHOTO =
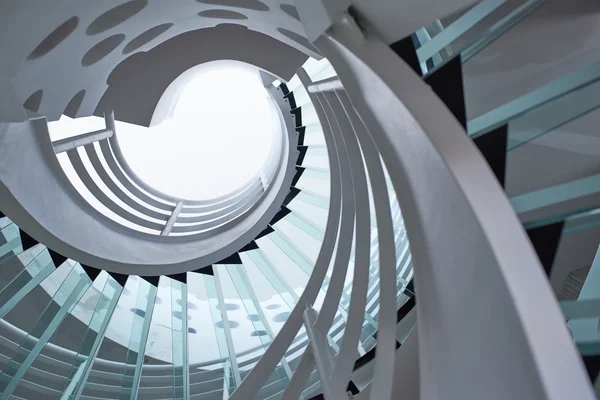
179,339
232,377
544,109
139,328
74,286
107,292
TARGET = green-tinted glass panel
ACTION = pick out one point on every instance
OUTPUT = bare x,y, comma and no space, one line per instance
10,240
313,135
307,226
179,331
28,279
107,292
313,198
138,337
232,377
68,294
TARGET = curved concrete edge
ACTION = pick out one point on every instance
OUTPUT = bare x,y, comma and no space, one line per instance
36,194
444,183
11,108
137,84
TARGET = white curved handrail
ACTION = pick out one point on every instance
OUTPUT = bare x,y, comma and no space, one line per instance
259,374
485,265
386,338
342,256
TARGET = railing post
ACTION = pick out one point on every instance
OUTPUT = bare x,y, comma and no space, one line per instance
76,283
171,221
321,353
74,142
109,121
136,348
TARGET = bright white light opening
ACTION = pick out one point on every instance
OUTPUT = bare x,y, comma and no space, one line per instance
217,138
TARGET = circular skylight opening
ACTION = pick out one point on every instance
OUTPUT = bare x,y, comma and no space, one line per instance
214,138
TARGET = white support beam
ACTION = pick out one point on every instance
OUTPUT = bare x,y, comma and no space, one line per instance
171,221
326,85
71,143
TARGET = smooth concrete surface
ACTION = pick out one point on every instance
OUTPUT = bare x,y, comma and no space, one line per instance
137,84
52,211
63,47
11,108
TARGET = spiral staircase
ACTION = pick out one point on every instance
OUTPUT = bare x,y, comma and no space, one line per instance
467,128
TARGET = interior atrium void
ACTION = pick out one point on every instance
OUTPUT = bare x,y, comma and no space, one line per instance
294,199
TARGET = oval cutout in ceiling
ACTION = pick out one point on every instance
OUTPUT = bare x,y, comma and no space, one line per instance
55,38
255,5
146,37
102,49
115,16
222,14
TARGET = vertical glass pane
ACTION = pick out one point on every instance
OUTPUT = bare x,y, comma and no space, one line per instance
279,305
315,181
10,240
281,297
235,318
206,367
12,264
313,135
301,97
157,369
4,221
68,294
292,273
261,325
309,115
584,323
31,276
179,324
317,158
225,343
106,293
140,318
296,244
515,50
95,333
305,225
313,198
583,314
316,215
